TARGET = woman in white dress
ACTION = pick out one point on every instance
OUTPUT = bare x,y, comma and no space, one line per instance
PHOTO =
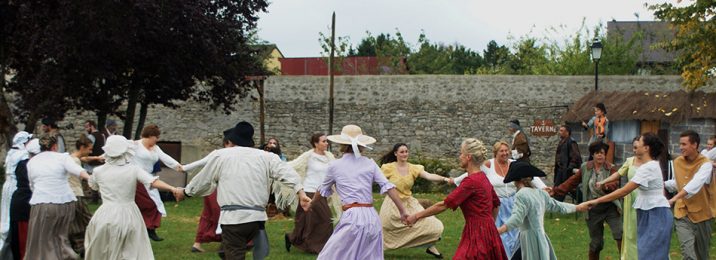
116,230
146,155
15,154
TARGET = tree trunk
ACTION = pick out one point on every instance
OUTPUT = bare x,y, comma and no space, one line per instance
131,108
31,122
7,120
142,117
101,120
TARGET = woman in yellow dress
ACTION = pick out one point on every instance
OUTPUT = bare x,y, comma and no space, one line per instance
402,174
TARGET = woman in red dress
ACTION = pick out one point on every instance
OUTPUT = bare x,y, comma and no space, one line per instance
209,220
479,204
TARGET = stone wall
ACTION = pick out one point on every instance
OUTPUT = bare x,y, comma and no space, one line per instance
433,113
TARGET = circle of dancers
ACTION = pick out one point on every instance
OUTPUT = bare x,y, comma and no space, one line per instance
44,212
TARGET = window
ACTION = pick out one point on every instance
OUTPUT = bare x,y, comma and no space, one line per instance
623,131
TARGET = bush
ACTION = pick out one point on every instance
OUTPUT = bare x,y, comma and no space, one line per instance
436,166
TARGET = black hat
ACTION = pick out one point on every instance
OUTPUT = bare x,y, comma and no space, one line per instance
515,121
520,169
242,134
49,121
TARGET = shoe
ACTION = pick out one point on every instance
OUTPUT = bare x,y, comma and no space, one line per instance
222,255
288,242
438,255
196,250
153,235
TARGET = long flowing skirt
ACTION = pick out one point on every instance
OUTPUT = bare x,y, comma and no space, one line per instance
209,221
510,239
157,199
48,229
654,232
312,229
358,235
79,224
18,240
150,214
479,240
629,237
117,231
8,188
398,235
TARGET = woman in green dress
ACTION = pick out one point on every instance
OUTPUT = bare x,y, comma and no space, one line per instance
528,212
631,164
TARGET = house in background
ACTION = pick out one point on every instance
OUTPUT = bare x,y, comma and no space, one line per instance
653,60
631,114
271,56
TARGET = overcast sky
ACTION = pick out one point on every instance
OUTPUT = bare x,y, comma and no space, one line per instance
294,25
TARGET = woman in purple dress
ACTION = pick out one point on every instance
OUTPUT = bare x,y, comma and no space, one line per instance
359,233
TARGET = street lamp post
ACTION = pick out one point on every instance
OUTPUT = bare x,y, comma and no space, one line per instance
596,55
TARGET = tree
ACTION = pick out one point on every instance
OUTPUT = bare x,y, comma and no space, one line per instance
530,57
495,58
465,60
342,49
695,39
91,55
431,58
391,51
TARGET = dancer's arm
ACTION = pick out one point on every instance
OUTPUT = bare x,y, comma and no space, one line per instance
629,187
702,177
433,177
393,194
435,209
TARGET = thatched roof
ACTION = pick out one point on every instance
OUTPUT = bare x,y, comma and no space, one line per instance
644,105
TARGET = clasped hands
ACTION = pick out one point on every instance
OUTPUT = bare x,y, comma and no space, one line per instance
304,201
178,193
587,205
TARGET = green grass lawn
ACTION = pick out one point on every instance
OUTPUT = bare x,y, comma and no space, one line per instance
568,235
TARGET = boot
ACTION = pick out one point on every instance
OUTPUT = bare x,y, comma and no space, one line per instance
153,235
619,246
593,255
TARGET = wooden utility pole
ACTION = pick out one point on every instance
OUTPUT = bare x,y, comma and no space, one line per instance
330,73
262,110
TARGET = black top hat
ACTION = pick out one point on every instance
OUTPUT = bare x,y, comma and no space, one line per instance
521,169
242,134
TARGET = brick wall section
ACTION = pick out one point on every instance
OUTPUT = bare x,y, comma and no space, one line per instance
433,113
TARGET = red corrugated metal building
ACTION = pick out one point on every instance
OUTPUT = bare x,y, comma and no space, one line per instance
319,66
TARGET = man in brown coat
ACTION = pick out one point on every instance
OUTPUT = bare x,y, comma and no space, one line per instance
567,159
520,145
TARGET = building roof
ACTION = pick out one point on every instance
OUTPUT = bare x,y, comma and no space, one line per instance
264,50
653,32
673,106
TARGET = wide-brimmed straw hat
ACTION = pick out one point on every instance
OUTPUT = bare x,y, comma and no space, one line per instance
521,169
352,135
116,145
349,133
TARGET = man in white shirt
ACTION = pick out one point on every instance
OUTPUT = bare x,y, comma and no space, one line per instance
242,175
694,209
53,202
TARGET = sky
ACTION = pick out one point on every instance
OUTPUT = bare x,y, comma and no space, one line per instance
294,25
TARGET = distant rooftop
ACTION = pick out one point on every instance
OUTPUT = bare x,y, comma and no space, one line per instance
654,32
